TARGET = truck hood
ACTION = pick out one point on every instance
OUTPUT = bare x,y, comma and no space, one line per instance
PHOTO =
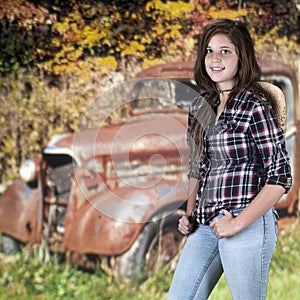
139,135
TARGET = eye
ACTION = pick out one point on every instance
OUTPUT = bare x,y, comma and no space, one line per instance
208,51
225,51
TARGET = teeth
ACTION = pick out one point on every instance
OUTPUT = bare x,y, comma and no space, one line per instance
217,69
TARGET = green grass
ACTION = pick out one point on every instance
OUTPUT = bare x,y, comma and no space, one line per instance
27,278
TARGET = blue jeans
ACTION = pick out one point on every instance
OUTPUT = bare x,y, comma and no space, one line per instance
245,259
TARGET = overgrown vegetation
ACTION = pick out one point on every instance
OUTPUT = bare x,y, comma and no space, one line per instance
60,36
32,110
23,277
57,56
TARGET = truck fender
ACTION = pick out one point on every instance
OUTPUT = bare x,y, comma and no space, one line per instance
109,222
18,211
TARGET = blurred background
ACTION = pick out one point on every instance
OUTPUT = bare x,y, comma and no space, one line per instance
57,56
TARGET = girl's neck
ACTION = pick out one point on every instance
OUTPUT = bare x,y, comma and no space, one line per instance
225,86
220,91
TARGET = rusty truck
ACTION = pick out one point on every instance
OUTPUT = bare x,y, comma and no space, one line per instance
112,194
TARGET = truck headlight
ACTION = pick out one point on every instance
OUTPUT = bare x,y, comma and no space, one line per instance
28,170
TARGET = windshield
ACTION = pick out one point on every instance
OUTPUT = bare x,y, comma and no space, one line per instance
154,93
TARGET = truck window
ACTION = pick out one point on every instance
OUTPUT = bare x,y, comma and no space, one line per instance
157,93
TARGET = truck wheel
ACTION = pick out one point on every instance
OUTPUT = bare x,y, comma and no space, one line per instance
156,245
9,244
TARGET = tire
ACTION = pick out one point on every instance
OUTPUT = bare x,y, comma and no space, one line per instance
156,245
9,244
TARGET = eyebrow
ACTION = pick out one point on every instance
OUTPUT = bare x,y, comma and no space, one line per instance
222,47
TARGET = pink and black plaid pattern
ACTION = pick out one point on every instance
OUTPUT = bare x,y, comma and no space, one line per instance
244,150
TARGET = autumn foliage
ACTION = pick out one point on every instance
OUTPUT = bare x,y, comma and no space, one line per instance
62,36
57,55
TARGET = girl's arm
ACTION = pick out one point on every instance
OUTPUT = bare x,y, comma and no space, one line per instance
192,192
184,225
228,226
264,201
269,139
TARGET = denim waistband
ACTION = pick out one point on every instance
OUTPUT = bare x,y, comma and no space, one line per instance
236,211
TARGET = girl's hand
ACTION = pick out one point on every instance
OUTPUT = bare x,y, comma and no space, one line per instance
184,225
224,226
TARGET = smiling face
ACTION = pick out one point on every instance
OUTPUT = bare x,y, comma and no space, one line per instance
221,61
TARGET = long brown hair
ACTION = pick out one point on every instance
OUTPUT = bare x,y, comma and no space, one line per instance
248,70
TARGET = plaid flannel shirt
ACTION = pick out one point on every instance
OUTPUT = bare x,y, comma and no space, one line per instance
242,152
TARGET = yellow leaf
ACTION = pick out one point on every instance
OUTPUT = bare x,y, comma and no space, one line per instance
9,145
151,62
56,42
230,14
106,42
105,64
60,27
133,48
73,56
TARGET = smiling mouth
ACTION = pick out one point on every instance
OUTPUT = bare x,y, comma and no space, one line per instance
217,69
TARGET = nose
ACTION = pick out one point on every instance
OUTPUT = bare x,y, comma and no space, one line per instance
216,56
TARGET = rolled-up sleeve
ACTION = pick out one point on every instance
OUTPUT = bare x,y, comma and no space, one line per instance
269,138
198,165
194,171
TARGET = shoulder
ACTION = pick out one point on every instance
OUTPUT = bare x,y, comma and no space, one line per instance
198,101
255,108
247,108
249,99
